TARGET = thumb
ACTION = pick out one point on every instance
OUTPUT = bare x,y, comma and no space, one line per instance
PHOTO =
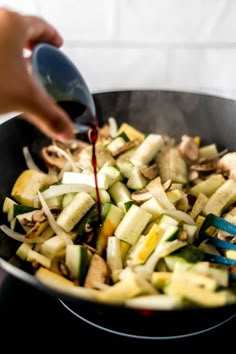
42,111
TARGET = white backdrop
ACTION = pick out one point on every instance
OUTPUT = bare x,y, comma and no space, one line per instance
185,45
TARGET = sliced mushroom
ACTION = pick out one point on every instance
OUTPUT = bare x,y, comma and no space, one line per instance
141,195
193,175
204,167
188,148
32,232
38,216
167,184
227,163
98,272
77,146
222,235
183,235
59,266
52,158
27,223
150,172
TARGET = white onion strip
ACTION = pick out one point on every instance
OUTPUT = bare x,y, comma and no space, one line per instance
156,189
29,160
60,189
181,216
52,222
67,156
19,237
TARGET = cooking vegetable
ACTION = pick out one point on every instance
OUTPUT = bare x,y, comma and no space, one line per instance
145,249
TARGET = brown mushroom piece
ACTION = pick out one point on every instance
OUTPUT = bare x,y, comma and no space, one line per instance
227,163
204,167
37,225
98,273
38,216
52,158
150,172
141,195
188,148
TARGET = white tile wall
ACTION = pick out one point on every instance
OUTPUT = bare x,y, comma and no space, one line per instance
83,20
114,68
172,44
22,6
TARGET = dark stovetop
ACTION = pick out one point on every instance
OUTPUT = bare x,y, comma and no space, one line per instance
26,312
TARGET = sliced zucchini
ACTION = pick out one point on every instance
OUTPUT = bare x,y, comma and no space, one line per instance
119,193
222,198
167,220
172,166
156,302
66,199
153,207
108,175
136,180
132,224
131,132
147,150
161,279
209,186
147,246
115,144
114,258
35,257
8,204
208,152
52,247
113,218
26,186
75,210
199,295
125,167
23,250
198,205
77,261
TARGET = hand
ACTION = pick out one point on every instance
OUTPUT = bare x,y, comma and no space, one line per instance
19,91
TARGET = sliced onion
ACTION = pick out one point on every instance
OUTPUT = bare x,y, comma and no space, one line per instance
52,222
60,189
180,215
156,189
29,160
19,237
67,156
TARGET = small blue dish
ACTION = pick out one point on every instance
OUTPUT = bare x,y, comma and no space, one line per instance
62,80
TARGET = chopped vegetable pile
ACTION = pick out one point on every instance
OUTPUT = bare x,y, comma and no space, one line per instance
155,194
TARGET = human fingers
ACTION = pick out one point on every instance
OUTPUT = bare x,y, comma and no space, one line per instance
42,111
39,30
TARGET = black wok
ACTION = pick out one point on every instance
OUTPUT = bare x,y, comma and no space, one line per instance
174,113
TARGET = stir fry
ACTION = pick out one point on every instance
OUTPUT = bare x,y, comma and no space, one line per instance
144,250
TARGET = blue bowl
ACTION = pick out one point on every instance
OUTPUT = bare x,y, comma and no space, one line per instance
62,80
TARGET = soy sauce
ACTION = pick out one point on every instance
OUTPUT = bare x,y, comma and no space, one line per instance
93,135
72,108
80,114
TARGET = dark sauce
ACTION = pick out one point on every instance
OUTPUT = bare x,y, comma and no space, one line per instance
80,114
73,109
93,135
